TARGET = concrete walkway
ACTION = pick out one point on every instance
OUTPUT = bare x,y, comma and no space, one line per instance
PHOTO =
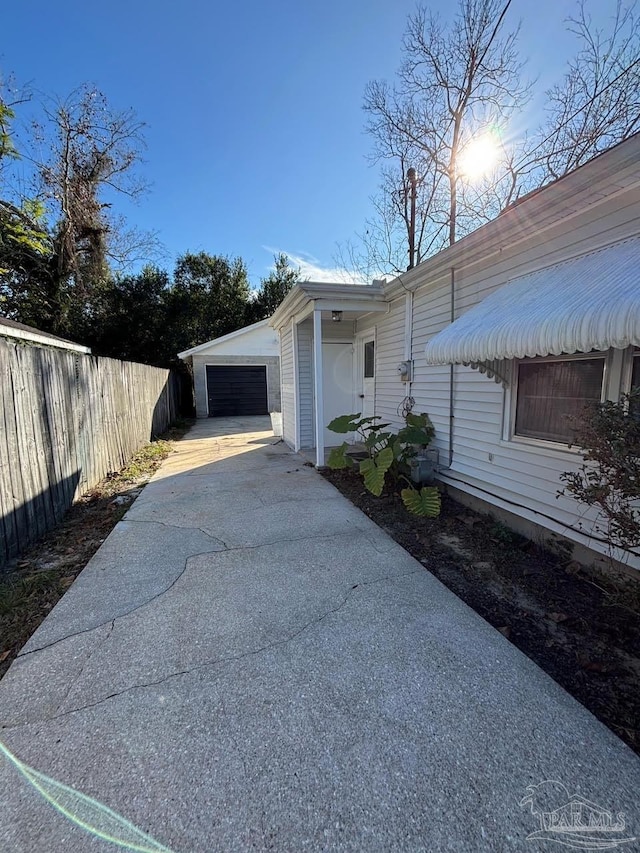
249,663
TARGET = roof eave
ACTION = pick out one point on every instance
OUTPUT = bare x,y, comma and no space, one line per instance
306,292
228,337
518,222
43,339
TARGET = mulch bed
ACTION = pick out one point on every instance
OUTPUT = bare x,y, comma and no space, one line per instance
581,626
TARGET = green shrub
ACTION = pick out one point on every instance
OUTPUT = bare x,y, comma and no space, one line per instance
388,453
608,434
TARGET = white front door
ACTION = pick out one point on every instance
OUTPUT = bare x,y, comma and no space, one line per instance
366,375
337,390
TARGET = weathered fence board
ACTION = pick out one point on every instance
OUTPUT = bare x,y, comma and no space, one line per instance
66,420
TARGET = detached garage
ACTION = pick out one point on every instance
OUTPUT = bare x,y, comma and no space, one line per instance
237,374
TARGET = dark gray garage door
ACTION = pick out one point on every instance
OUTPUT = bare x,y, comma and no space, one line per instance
237,391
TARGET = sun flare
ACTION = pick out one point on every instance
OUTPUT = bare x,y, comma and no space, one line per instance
478,157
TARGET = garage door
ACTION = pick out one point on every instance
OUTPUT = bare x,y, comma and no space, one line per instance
237,391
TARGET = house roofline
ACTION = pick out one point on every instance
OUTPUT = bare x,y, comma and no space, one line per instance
222,338
531,214
308,291
38,337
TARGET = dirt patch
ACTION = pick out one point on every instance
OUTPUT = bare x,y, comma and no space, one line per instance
35,582
581,626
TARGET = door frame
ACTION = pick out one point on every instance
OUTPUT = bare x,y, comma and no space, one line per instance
341,343
358,366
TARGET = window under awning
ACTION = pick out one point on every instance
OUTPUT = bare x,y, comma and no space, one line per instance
588,303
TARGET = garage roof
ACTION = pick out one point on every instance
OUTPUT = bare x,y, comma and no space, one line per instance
252,331
588,303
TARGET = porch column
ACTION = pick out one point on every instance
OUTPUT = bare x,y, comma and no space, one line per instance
317,379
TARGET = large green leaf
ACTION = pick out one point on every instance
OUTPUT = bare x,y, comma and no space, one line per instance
345,423
374,470
377,438
419,429
338,458
348,423
415,435
425,503
417,420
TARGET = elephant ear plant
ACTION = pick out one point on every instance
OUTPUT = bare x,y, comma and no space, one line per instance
388,453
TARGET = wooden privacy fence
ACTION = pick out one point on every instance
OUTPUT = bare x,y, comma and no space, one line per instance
66,420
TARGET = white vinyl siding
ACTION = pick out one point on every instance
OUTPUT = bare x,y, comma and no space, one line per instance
305,384
520,475
368,322
430,386
287,386
342,331
390,391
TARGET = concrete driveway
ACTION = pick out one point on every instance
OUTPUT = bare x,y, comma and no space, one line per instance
248,662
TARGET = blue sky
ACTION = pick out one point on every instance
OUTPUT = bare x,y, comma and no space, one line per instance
255,128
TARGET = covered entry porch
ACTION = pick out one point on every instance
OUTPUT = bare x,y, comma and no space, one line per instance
328,361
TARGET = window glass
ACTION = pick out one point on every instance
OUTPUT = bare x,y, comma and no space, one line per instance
369,359
550,391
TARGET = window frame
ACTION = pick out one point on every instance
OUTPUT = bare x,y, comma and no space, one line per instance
366,342
630,355
509,433
633,353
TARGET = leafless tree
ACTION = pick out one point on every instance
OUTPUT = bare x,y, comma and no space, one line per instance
455,82
597,104
461,80
92,151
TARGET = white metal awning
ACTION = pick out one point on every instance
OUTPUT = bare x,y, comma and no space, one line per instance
588,303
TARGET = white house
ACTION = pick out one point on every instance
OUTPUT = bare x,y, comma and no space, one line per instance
238,373
496,338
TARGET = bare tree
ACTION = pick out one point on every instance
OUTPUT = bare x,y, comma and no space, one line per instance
24,243
597,104
461,81
456,81
61,238
92,150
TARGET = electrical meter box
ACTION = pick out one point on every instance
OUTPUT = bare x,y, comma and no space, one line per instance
405,371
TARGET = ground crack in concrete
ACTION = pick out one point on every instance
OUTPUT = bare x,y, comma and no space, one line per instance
160,593
222,660
123,615
84,664
177,527
142,604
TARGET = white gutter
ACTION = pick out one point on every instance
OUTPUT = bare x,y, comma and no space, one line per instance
45,340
